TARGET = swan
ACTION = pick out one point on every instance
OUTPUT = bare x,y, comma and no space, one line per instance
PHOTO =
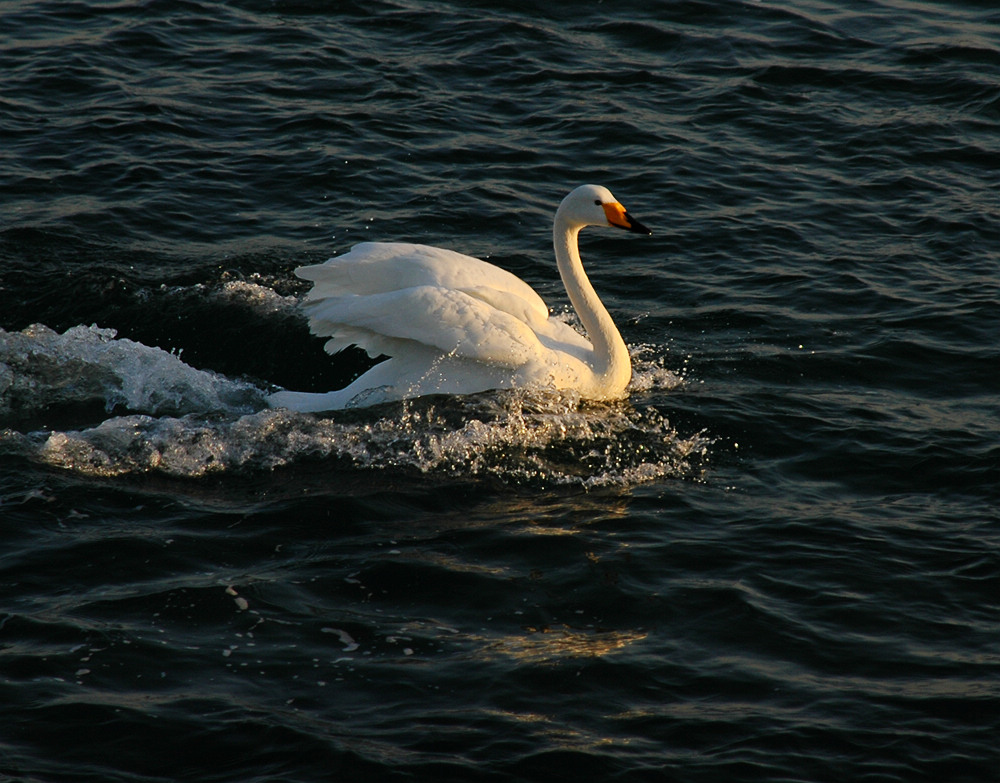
453,324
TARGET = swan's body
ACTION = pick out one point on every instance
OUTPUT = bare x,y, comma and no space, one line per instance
453,324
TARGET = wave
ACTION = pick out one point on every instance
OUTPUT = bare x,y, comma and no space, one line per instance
156,414
41,369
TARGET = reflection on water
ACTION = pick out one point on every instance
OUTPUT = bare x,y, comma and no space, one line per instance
557,643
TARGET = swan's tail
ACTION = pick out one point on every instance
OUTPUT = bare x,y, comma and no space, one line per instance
307,402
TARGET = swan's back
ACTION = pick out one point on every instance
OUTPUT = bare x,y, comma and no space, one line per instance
379,267
379,294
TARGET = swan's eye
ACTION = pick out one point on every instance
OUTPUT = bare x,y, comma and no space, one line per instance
597,201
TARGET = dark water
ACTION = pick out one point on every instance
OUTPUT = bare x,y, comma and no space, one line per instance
779,561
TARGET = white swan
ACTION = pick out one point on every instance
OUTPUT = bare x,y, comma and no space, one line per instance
453,324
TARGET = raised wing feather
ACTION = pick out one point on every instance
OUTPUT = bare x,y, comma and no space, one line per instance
380,267
452,321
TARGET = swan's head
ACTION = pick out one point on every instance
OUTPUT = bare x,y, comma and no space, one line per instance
593,205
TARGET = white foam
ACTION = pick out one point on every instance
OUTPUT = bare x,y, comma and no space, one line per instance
258,297
40,368
185,422
649,372
558,443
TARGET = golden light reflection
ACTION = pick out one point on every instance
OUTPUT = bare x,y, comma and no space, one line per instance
558,731
557,643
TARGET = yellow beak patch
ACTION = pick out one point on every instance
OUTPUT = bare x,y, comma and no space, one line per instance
616,215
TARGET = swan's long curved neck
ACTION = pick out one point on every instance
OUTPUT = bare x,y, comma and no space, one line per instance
611,361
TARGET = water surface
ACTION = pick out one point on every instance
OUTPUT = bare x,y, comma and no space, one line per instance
777,561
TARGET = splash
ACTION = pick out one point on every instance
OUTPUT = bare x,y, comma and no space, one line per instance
557,442
189,423
41,369
256,296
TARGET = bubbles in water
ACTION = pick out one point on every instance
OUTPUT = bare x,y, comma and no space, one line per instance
510,436
189,423
259,297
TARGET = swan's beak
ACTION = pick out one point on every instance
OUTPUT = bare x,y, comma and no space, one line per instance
619,217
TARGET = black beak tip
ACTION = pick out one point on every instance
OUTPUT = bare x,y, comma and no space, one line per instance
635,227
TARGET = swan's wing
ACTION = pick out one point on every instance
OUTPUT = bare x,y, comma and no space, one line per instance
381,267
454,322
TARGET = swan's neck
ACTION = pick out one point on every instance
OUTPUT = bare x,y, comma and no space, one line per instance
611,364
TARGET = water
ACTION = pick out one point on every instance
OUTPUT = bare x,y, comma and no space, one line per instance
778,561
